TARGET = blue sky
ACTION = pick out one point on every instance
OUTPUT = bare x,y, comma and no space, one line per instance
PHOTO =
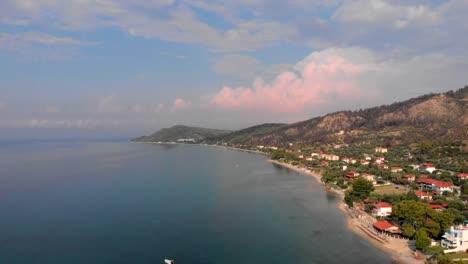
143,65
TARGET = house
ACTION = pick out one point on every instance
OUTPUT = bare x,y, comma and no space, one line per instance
427,167
463,176
323,164
423,195
329,157
365,162
301,156
409,177
386,226
396,169
455,239
351,175
435,185
370,178
345,159
437,207
380,159
309,158
381,150
367,157
382,209
353,161
380,165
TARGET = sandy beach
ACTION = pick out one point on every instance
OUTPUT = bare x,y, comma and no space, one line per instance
400,250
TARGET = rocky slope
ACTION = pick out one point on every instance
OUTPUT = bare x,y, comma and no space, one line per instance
429,117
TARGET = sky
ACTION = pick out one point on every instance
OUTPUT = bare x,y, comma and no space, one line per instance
138,66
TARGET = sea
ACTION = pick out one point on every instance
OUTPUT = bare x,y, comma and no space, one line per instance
93,202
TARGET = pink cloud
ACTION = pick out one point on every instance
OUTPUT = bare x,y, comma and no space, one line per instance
180,103
319,78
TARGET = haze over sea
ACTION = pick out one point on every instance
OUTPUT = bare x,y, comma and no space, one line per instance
121,202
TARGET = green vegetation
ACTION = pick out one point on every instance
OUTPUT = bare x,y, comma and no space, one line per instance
422,240
461,255
389,189
181,132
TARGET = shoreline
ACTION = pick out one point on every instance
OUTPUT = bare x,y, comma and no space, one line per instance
398,250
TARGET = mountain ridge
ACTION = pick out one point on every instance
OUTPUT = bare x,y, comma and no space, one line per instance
435,116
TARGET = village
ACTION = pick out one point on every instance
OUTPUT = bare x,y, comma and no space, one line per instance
416,193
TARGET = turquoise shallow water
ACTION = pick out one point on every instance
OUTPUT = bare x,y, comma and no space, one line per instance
111,202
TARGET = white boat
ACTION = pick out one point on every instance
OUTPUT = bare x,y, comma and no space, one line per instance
169,261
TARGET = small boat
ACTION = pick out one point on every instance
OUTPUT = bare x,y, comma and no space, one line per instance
169,261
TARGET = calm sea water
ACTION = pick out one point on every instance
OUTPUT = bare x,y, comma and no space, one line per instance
118,202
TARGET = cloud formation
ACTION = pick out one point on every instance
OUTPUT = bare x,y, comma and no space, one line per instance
319,77
180,103
340,77
165,20
18,41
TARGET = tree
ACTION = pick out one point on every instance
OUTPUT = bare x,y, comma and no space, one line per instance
411,211
422,240
348,199
361,188
411,195
408,230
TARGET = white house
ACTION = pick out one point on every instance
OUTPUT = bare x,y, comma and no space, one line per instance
409,177
381,150
427,167
463,176
435,185
370,178
455,239
382,209
423,195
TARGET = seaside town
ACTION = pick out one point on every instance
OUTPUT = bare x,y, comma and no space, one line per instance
408,200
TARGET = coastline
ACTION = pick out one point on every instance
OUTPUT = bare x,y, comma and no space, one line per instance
399,250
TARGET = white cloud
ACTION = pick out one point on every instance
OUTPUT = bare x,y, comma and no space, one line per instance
386,13
18,41
343,78
157,19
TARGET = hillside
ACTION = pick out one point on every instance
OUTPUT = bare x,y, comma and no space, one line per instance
244,136
428,117
177,133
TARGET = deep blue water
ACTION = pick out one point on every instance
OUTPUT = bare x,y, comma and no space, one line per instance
119,202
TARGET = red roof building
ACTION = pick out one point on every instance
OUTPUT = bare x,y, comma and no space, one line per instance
382,209
423,195
435,185
463,176
409,177
386,226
